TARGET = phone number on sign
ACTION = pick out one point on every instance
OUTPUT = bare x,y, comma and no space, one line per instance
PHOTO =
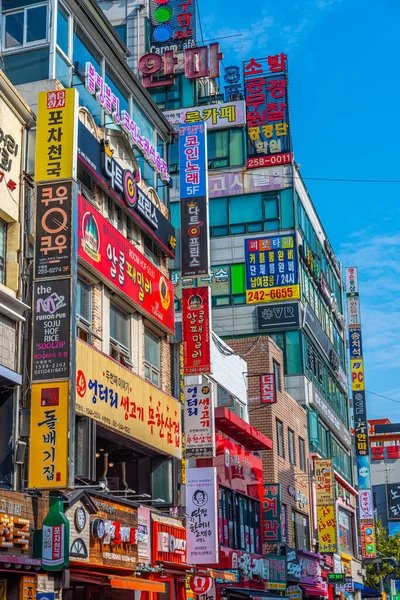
268,161
291,292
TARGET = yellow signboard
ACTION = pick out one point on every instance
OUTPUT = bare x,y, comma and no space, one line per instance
357,374
48,463
56,135
324,479
327,528
290,292
120,400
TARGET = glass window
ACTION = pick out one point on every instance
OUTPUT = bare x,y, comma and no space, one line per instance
218,208
36,24
279,437
27,26
63,70
302,454
291,447
118,89
83,52
346,535
293,356
84,301
301,533
3,242
29,66
63,30
225,148
245,209
14,30
119,327
121,31
152,357
276,374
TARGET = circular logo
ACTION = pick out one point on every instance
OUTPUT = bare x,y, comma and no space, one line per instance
200,498
164,293
81,383
194,231
205,389
200,585
129,188
98,528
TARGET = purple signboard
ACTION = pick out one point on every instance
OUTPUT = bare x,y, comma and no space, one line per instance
250,182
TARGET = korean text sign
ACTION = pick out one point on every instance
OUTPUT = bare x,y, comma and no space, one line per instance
268,389
275,572
180,30
56,135
267,110
327,528
199,422
366,507
193,160
48,460
196,330
271,513
216,116
202,523
108,252
361,438
271,269
117,398
324,478
393,499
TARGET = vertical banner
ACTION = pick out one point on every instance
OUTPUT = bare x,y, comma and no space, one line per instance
202,521
325,490
196,330
199,422
272,513
267,389
195,237
326,509
368,542
56,135
48,464
53,321
327,528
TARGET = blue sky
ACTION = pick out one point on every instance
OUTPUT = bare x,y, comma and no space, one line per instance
344,106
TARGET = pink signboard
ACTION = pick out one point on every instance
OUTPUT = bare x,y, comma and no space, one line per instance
250,182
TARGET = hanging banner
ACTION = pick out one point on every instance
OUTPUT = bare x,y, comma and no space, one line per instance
355,343
272,513
357,374
366,507
56,135
195,237
110,254
199,422
48,450
361,438
351,281
268,389
353,312
325,490
368,540
196,330
327,529
271,269
202,521
363,472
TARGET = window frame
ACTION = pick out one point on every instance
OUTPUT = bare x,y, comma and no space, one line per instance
3,253
153,370
296,542
280,437
277,374
118,351
302,454
25,45
291,450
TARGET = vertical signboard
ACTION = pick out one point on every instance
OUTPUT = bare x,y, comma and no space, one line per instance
267,111
268,389
272,513
325,496
53,334
327,528
172,25
324,479
199,422
48,464
202,521
368,542
196,330
195,237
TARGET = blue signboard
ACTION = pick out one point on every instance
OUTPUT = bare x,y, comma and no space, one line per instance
355,343
364,472
271,269
45,595
193,160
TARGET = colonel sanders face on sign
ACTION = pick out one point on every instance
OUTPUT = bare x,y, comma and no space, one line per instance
200,498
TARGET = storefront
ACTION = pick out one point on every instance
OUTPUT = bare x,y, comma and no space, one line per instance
18,569
106,540
168,549
311,580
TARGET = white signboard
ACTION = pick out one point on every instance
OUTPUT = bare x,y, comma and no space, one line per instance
353,311
352,280
199,422
366,505
202,522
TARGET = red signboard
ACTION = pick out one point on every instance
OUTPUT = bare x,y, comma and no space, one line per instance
385,452
267,389
238,469
272,513
108,252
169,543
196,330
200,585
285,158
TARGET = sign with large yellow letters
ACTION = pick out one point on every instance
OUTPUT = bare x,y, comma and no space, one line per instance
121,400
56,135
48,463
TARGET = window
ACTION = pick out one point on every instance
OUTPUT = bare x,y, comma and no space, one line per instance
301,531
302,454
279,436
276,375
239,521
120,336
346,532
26,27
3,249
225,148
152,357
121,31
151,251
63,18
250,213
291,447
84,311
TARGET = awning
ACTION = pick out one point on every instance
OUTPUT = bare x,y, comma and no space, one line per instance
250,593
310,590
242,432
135,583
366,592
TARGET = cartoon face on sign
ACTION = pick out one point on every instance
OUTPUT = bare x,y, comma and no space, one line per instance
200,498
